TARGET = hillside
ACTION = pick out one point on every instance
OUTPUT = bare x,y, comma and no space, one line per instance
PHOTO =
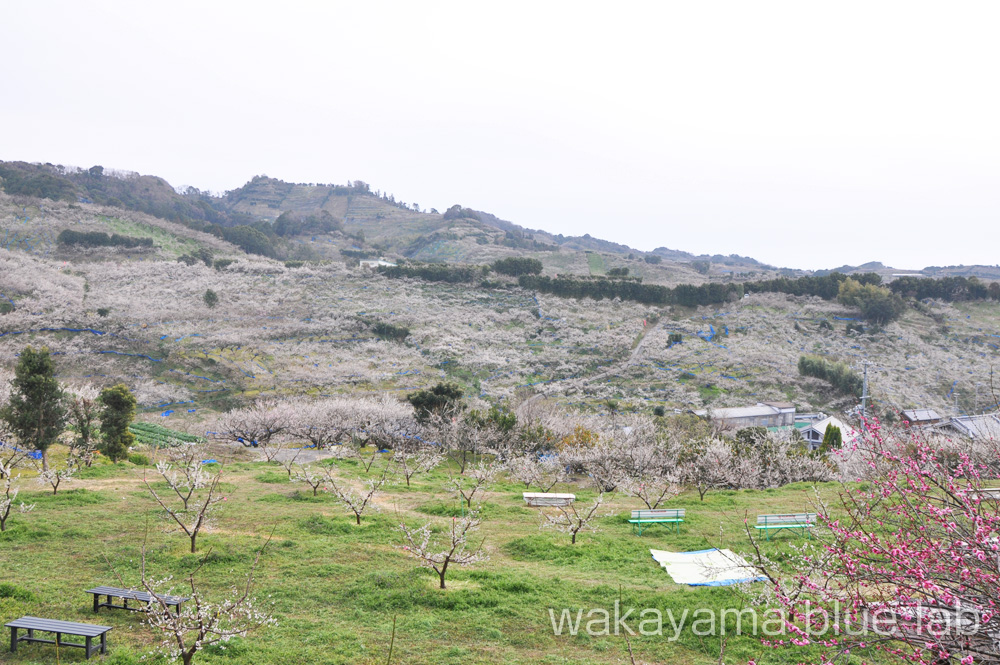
138,316
371,217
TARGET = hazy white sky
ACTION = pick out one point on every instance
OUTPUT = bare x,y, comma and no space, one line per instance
803,134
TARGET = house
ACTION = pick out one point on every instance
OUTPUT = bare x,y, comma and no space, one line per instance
814,433
921,417
377,264
763,414
984,427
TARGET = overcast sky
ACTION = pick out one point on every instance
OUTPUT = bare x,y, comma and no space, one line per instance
802,134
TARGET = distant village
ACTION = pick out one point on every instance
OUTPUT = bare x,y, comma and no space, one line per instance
782,416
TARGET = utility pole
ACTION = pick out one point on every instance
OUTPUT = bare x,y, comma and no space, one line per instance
864,392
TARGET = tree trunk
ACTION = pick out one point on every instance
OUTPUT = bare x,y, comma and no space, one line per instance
194,536
572,540
358,515
45,460
441,573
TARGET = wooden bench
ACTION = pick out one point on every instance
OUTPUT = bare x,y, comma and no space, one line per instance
539,499
659,516
804,521
987,493
87,631
127,595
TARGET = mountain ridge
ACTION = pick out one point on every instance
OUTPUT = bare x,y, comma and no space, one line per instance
372,216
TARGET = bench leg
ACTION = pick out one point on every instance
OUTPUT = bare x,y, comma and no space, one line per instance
13,640
97,603
104,643
87,647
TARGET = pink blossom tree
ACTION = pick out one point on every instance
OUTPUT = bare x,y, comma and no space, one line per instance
910,563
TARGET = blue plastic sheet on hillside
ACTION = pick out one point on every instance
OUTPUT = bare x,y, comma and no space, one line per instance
33,454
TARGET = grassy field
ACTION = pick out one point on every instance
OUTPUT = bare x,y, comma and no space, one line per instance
596,263
336,586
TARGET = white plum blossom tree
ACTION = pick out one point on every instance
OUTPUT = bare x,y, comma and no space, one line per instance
8,496
194,487
452,548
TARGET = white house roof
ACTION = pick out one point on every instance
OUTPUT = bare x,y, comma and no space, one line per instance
847,432
759,410
977,427
921,415
738,412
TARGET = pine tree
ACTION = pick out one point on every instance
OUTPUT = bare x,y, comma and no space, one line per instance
832,438
36,412
118,413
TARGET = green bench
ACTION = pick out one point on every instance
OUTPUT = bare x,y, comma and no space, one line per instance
659,516
804,521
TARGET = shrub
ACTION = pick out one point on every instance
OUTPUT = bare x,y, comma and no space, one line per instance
435,400
877,303
211,298
517,266
389,331
100,239
138,459
839,375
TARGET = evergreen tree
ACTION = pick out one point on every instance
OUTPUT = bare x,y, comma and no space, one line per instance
36,412
211,298
832,438
118,413
440,398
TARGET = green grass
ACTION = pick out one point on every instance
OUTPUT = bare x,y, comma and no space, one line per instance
170,244
336,586
596,263
158,436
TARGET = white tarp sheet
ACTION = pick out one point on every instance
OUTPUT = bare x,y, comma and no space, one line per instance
706,567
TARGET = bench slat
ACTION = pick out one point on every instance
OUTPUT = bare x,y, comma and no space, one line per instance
653,514
54,626
787,518
129,594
